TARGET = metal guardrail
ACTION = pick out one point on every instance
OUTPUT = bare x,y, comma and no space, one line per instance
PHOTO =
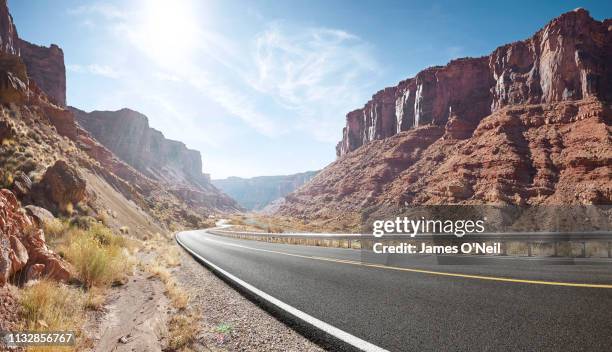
548,244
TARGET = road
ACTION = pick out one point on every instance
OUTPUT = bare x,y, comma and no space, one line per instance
409,303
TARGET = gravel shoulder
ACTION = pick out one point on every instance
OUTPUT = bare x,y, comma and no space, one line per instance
230,322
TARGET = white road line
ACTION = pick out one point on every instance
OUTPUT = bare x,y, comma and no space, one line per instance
321,325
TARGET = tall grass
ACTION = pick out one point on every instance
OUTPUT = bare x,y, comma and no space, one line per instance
52,306
97,256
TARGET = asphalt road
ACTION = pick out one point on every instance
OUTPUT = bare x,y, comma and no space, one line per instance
410,303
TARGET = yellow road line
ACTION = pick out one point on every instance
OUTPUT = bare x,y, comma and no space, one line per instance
420,271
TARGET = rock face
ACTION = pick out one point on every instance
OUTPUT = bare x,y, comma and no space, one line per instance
528,124
128,135
257,192
22,245
45,66
568,60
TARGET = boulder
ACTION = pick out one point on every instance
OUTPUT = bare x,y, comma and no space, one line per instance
40,215
63,185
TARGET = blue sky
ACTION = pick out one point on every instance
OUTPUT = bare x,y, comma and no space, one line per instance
262,87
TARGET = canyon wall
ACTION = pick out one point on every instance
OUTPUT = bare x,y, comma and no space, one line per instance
127,133
45,65
528,125
568,60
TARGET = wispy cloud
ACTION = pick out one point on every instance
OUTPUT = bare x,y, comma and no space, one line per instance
95,69
105,10
284,80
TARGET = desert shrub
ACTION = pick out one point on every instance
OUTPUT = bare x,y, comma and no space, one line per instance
52,306
97,257
55,228
82,222
182,331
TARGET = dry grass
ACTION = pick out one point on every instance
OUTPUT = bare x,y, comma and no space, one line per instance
55,229
171,257
178,296
182,331
52,306
99,257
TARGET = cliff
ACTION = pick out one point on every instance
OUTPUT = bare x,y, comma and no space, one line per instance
255,193
128,135
567,60
530,124
45,66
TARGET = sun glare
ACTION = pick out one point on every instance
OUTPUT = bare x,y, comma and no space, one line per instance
168,30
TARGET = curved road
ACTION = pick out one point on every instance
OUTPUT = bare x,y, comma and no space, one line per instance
411,303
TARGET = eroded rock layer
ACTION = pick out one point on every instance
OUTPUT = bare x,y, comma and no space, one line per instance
528,125
568,60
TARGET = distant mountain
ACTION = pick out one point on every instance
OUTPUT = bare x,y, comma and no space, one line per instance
257,192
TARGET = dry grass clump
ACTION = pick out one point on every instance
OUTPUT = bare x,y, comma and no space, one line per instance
51,306
178,296
171,257
182,332
55,228
99,256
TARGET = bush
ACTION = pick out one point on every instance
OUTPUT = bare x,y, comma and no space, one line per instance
97,256
52,306
82,222
54,229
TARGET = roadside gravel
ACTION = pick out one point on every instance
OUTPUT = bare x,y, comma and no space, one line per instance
230,322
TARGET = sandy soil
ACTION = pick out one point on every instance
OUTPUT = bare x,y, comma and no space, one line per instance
134,318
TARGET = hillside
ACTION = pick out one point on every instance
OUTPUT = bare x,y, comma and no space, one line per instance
528,124
256,193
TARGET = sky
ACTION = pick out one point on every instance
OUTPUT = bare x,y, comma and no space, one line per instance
263,87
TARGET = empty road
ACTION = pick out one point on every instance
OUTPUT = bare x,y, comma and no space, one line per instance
411,303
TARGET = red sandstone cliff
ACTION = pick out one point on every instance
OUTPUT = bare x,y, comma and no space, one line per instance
45,66
529,124
568,60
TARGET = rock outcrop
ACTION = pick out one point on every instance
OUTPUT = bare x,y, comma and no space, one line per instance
45,66
529,124
22,246
568,60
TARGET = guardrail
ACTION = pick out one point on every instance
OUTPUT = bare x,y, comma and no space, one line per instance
596,244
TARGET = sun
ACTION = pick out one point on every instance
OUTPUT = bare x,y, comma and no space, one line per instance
168,30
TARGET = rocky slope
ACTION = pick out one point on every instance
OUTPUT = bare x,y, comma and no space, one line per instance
255,193
128,135
528,124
